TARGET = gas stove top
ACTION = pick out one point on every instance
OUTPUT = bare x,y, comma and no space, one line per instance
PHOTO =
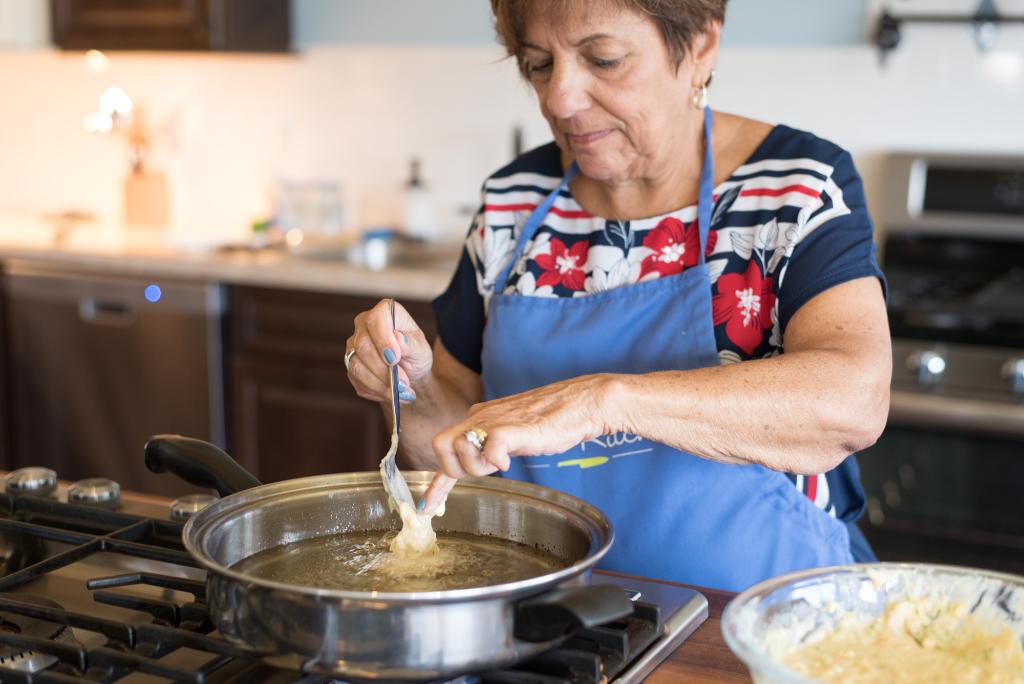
955,290
102,590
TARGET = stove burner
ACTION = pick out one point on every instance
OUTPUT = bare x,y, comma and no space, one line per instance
13,658
95,491
186,506
40,641
32,481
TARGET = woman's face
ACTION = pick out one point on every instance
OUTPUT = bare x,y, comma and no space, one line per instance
608,88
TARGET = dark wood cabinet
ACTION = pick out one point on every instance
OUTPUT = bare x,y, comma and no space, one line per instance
294,412
94,369
5,386
218,25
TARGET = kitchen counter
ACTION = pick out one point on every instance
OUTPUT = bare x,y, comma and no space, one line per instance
95,248
704,658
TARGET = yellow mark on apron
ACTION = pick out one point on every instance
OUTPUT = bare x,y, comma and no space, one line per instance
591,462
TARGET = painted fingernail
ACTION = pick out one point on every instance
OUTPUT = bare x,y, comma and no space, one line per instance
405,338
407,396
421,505
402,387
389,356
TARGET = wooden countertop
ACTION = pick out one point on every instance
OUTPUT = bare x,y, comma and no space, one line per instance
106,251
704,658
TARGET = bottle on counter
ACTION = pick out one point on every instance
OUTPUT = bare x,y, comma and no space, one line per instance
419,218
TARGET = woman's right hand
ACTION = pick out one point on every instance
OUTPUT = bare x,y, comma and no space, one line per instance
377,346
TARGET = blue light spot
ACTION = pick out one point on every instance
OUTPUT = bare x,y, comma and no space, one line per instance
153,293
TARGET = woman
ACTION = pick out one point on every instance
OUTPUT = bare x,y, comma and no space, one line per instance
617,322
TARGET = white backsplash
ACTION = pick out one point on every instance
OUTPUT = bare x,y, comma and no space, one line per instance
358,114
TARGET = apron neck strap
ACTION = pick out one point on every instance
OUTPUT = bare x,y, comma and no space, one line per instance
533,222
706,194
705,200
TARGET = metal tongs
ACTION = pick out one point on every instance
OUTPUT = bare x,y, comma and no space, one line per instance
394,484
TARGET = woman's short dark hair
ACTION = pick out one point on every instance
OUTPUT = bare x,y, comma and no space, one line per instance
679,21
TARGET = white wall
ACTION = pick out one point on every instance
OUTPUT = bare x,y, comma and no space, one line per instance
232,123
24,24
936,93
358,113
393,22
462,22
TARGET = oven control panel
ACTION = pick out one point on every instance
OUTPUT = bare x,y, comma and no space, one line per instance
1013,373
929,366
958,370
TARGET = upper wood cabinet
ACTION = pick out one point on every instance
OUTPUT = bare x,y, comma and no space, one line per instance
214,25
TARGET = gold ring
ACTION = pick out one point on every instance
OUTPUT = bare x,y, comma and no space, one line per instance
476,436
348,357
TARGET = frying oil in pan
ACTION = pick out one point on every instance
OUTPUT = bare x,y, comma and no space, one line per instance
361,561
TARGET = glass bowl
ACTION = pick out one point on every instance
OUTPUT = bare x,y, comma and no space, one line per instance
771,619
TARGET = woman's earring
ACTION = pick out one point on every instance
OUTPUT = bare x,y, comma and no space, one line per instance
700,95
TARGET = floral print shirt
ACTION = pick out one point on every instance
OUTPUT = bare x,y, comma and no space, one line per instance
788,224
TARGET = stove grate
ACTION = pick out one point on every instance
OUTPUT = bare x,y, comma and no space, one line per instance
588,656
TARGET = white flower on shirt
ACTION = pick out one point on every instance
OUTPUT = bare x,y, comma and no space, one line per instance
540,244
527,285
611,269
728,356
495,250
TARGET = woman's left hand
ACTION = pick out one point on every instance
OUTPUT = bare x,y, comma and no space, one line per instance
547,420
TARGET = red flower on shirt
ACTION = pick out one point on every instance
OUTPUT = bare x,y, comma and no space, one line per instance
744,303
675,245
563,265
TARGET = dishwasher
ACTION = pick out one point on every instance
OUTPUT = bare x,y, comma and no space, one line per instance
96,364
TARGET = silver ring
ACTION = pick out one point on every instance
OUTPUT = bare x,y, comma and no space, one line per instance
348,357
476,436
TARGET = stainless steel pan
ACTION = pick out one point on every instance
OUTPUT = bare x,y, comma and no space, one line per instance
387,635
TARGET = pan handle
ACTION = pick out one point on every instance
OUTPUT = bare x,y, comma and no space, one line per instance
197,462
551,615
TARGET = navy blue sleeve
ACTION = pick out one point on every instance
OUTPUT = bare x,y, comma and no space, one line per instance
460,315
837,245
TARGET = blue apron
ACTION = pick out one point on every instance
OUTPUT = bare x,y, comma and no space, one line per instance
676,516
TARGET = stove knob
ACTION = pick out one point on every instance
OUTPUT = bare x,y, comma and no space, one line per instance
95,491
1013,373
928,365
32,481
185,507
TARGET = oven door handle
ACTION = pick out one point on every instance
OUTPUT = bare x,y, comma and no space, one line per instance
933,411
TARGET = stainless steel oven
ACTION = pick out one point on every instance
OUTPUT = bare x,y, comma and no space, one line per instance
945,482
